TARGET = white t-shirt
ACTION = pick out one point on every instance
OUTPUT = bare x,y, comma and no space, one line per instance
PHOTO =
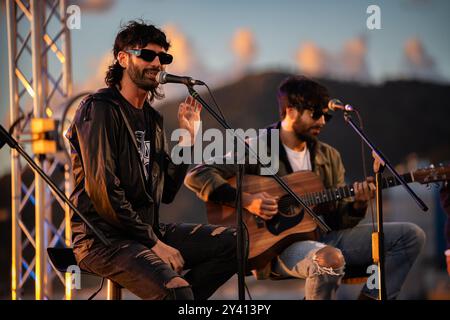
299,160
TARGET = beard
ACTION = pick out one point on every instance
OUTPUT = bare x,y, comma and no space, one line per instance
144,79
304,133
304,136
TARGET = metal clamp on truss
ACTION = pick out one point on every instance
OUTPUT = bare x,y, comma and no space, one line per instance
44,136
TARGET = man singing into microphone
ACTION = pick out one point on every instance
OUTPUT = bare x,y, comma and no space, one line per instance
303,106
123,171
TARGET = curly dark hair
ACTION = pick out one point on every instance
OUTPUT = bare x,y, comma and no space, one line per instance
134,34
301,93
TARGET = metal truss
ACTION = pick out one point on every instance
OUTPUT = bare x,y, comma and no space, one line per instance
40,79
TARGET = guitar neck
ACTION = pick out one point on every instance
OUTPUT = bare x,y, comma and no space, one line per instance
347,191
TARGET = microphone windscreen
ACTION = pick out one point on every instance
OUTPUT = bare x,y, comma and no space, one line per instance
333,103
161,77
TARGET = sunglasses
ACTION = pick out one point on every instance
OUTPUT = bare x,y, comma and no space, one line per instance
317,114
150,55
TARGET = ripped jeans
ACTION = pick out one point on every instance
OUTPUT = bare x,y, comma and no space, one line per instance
209,253
323,273
300,260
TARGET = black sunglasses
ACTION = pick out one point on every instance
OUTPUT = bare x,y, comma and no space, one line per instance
317,114
150,55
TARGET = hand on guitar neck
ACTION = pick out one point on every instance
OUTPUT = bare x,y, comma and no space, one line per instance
260,204
364,191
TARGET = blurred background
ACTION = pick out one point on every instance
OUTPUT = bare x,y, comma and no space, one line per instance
397,76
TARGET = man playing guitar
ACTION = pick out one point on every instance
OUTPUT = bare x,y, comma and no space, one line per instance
322,261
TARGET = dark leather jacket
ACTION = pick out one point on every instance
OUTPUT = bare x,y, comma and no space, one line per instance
110,185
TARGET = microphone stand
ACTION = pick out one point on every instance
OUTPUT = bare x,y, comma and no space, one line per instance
241,243
378,237
241,255
6,137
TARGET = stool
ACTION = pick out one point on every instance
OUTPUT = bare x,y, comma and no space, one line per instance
63,258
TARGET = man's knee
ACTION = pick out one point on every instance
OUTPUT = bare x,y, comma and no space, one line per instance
176,283
228,243
179,289
329,257
231,241
415,235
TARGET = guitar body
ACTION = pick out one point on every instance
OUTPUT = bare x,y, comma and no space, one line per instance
267,239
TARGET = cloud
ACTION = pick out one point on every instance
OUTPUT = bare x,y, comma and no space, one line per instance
350,63
416,55
185,59
96,6
312,60
353,60
417,62
97,79
244,46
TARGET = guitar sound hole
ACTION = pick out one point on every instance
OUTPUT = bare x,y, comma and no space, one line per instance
289,215
287,208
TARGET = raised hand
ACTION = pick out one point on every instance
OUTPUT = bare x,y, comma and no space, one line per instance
188,115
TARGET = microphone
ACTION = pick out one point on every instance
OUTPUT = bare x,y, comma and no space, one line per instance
164,77
336,104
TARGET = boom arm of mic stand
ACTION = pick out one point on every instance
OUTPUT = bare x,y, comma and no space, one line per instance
5,137
277,178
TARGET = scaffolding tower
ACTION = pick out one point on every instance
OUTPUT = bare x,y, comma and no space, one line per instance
40,79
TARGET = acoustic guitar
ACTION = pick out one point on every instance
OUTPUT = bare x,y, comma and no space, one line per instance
268,238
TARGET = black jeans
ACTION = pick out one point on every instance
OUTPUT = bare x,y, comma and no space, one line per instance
209,253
